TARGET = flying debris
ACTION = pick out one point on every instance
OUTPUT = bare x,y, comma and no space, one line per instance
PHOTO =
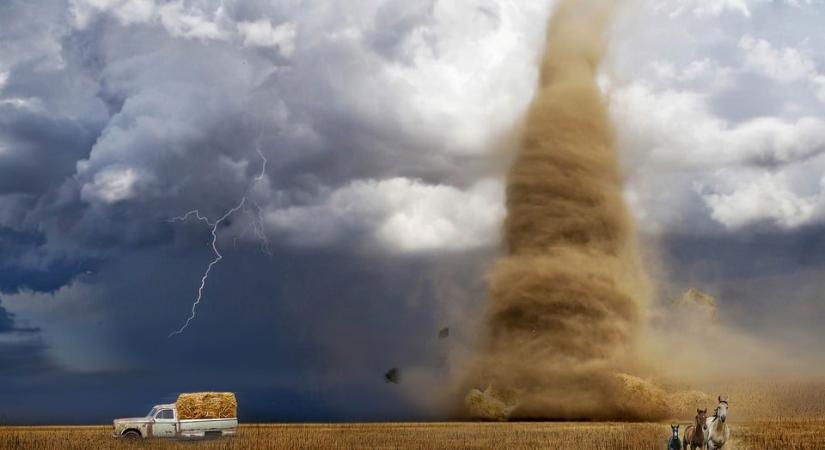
699,302
444,333
392,376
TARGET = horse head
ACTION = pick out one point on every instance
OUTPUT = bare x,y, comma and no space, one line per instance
701,416
675,429
722,409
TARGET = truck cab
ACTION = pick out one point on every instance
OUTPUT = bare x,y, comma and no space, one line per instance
165,422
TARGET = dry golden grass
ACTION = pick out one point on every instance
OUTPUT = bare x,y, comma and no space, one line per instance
757,401
769,415
786,434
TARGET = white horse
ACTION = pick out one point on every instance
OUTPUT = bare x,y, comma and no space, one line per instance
718,429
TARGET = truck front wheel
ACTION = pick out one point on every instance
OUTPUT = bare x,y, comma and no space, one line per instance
131,434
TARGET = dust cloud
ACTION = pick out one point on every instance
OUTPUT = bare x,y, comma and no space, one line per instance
569,297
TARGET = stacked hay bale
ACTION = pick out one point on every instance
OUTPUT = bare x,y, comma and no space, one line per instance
696,300
207,405
488,404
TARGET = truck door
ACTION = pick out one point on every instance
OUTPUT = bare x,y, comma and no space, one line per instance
165,424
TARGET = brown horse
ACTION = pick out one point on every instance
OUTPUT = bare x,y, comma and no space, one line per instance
696,435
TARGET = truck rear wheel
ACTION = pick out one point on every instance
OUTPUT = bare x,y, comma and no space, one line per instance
131,434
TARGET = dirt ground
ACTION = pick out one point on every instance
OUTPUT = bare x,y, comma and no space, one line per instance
778,434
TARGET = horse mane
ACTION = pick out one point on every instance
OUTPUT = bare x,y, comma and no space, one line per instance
716,411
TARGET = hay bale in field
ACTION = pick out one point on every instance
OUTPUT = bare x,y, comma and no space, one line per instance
696,300
207,405
487,405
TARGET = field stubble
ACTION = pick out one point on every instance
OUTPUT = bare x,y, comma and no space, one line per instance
785,434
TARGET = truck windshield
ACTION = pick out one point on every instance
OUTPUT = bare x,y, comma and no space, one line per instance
152,412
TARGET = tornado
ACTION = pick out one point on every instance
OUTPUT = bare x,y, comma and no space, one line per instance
568,295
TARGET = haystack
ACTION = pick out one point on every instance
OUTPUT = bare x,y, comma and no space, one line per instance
207,405
697,300
487,405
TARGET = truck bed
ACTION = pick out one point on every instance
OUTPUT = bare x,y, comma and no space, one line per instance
202,427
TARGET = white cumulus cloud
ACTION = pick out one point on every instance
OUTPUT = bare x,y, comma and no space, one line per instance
700,101
401,214
767,198
112,184
261,33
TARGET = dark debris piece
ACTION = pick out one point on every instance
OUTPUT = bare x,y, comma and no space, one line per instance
444,333
392,376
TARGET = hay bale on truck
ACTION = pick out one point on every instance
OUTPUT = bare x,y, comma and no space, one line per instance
207,405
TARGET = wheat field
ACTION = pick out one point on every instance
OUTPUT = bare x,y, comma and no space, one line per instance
783,434
788,415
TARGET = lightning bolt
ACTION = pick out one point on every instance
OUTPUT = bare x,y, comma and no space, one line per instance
218,258
258,226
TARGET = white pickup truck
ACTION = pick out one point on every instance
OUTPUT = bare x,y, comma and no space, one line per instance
163,421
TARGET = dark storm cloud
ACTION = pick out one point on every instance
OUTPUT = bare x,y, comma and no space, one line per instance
49,112
7,323
88,106
321,311
22,351
114,121
319,330
22,359
186,115
147,110
750,253
42,151
25,263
